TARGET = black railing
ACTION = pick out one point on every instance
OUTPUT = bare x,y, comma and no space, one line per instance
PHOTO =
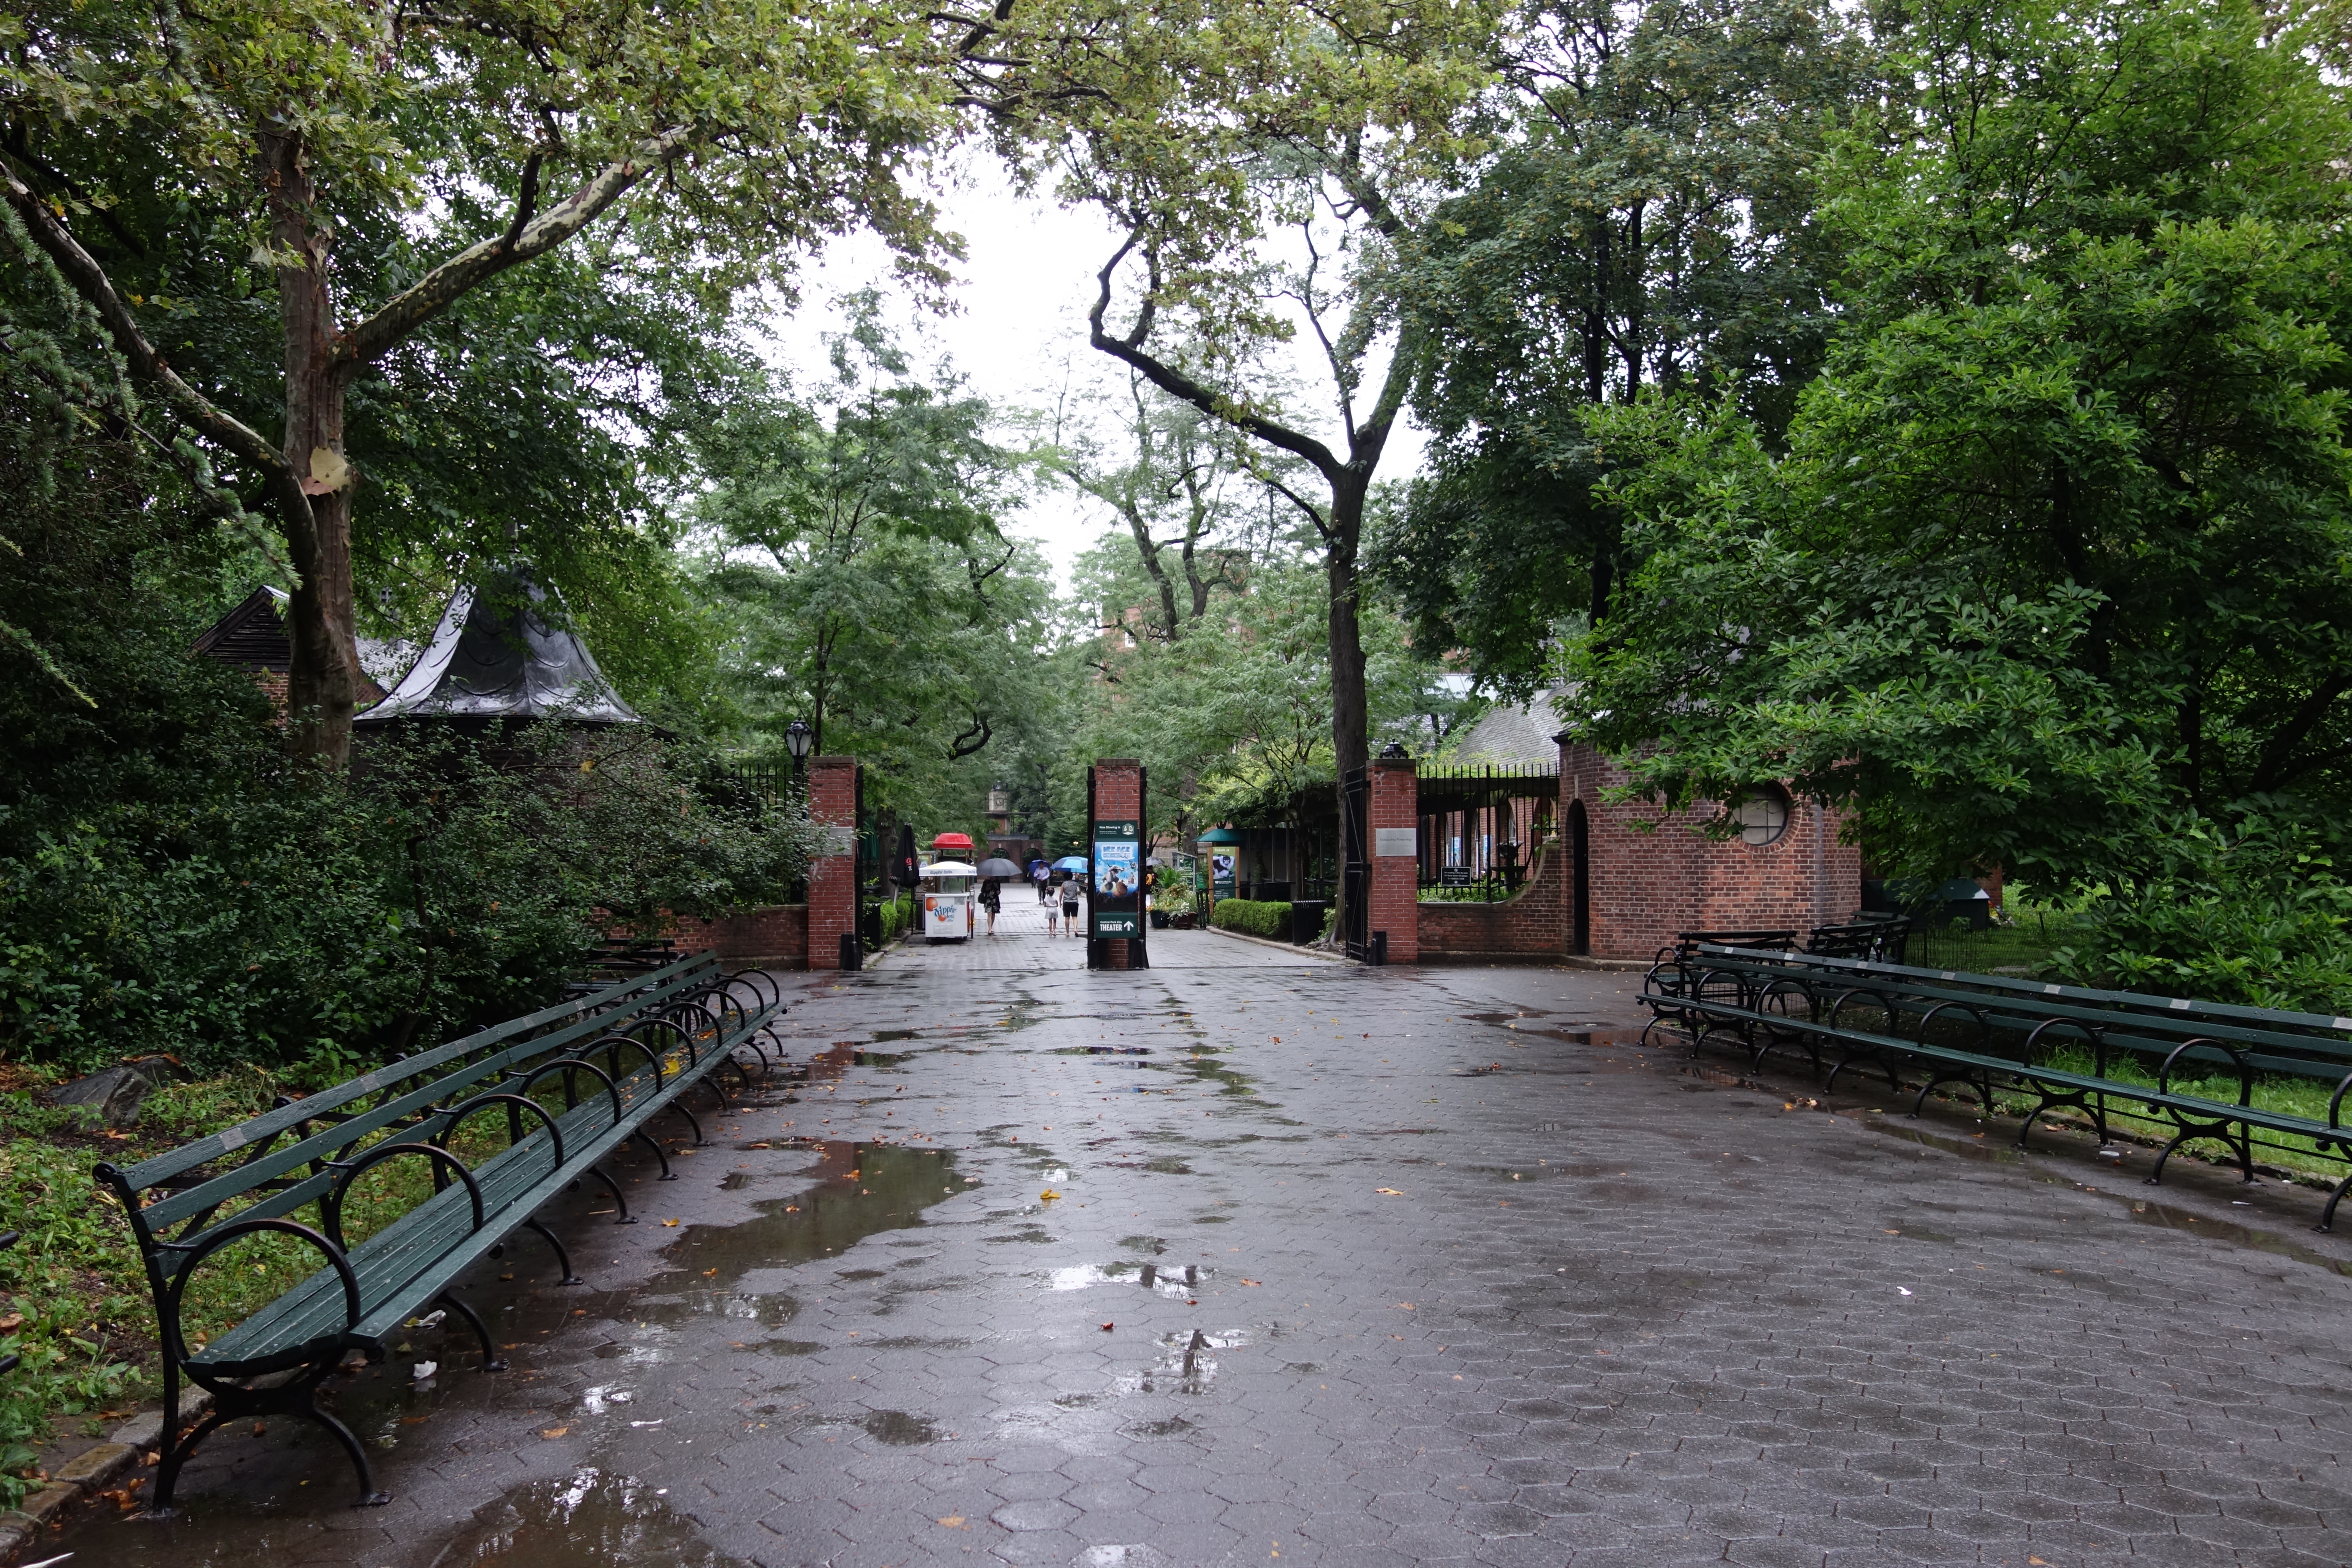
772,783
1481,828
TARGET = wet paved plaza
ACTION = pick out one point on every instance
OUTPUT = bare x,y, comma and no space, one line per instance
1258,1258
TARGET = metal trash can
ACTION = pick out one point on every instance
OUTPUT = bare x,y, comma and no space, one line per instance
1307,919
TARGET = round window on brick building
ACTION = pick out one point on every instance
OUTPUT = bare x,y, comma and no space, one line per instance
1763,816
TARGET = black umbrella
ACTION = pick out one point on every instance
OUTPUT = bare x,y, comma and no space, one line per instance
905,872
998,865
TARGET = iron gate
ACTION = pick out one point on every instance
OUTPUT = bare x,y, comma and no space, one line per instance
1355,864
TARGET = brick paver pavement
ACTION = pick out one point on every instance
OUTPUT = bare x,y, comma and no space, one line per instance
1342,1265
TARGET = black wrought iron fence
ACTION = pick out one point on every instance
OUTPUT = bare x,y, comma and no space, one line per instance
1480,828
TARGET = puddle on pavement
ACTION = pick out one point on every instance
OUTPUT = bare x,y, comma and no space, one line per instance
2144,1211
1186,1364
589,1520
207,1533
1178,1283
899,1429
854,1191
844,1054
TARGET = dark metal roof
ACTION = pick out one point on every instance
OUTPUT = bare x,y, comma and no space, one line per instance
496,657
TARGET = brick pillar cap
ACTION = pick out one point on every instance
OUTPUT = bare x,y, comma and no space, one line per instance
840,761
1566,737
1119,762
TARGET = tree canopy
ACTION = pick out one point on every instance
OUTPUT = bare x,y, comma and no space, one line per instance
2056,555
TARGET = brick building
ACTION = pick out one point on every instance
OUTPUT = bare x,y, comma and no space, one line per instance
1620,880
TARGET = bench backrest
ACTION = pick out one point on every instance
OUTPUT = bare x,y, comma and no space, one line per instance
2247,1040
408,1090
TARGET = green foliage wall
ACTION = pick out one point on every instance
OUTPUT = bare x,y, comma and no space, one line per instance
171,882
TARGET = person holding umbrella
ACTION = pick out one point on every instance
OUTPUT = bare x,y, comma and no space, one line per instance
992,872
1075,865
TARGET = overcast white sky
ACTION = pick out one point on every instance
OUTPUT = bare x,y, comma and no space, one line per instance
1019,325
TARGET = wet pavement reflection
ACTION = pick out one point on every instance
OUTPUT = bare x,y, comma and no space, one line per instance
1229,1262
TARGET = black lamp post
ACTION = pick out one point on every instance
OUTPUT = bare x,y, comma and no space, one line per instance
797,737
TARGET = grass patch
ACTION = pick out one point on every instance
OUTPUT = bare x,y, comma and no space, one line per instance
2024,945
74,1300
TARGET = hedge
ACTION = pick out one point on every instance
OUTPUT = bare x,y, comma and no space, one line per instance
1254,917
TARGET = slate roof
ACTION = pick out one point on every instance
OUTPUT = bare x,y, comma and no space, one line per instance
1521,736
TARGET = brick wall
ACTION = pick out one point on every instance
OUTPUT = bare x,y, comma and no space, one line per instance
1531,923
1118,795
1396,897
1648,882
773,936
832,877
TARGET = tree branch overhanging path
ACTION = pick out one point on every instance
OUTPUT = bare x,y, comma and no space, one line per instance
1337,517
760,133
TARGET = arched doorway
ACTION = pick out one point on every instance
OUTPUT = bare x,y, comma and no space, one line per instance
1580,862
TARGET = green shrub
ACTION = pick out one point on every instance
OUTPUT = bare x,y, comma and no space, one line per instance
897,914
1254,917
2254,915
276,915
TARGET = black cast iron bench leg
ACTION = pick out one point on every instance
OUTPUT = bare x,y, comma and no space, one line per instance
642,1136
562,1258
614,1188
491,1360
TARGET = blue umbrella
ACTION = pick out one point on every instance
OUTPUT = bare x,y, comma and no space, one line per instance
1071,863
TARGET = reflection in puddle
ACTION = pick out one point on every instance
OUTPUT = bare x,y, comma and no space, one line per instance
590,1520
856,1189
844,1054
1178,1283
1187,1362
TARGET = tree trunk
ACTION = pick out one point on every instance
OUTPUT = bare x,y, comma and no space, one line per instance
1351,725
322,686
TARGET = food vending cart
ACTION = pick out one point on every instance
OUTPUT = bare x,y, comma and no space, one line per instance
948,898
950,885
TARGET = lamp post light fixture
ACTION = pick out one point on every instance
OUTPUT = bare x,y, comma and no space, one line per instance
797,738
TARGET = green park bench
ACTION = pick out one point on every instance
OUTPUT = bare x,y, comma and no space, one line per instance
620,1056
1991,1034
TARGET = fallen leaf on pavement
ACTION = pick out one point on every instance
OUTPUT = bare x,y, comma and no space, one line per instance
554,1431
669,1224
1106,1327
954,1521
1390,1191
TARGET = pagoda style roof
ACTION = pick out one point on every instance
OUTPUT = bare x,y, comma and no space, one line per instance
495,656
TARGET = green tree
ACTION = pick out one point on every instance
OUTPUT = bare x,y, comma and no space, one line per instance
1228,716
709,141
1649,223
1203,130
2056,556
865,584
